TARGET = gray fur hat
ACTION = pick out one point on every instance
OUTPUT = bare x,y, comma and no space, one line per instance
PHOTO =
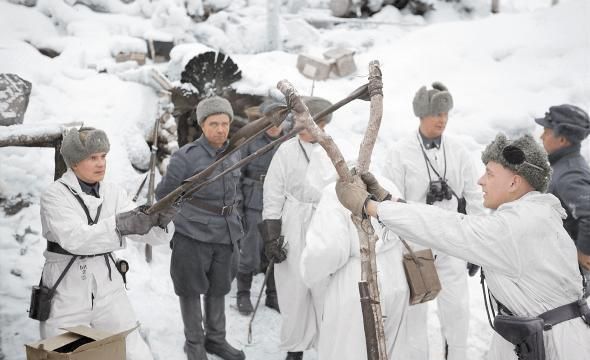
213,105
567,120
317,104
535,168
432,102
78,144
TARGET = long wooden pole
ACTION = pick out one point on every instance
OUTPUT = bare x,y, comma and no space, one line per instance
365,230
368,287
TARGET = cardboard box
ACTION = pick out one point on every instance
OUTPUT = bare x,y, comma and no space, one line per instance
80,343
343,61
313,68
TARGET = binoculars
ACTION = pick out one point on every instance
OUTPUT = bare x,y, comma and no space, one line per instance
438,190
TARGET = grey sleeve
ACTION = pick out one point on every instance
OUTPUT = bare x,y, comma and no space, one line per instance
175,175
574,191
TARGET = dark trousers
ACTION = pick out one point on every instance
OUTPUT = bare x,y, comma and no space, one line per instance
199,267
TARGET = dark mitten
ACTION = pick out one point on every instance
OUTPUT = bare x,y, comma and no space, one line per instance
274,247
167,215
135,221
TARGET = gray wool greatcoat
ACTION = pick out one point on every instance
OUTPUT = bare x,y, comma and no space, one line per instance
252,180
204,257
570,183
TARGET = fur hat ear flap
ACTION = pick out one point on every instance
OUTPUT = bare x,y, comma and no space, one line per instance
420,102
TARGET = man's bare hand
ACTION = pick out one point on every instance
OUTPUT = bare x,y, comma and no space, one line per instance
584,260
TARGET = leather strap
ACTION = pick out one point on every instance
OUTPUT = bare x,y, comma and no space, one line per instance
561,314
223,210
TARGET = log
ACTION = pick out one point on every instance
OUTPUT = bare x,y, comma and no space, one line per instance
48,135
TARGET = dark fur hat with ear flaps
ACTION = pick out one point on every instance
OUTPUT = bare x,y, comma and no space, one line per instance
432,102
537,175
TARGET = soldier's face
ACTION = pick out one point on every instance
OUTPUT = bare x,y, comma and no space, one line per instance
274,131
552,143
433,126
91,169
498,184
216,129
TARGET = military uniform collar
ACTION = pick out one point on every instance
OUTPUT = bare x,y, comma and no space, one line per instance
210,149
563,152
430,143
90,189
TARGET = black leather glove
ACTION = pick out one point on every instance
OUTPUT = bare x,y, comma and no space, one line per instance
135,221
274,246
374,188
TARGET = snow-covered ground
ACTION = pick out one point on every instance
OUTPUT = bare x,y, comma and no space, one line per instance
502,70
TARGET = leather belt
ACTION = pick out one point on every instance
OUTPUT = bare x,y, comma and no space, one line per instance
56,248
218,210
566,312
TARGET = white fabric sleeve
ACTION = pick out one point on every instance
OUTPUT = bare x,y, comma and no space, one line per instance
274,188
328,240
62,224
471,190
485,240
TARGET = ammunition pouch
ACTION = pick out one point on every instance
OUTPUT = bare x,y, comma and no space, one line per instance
421,275
40,305
526,333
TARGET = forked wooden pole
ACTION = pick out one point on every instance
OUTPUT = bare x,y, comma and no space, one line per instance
368,287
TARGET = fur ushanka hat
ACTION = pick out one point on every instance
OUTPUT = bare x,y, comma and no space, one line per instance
432,102
78,144
534,167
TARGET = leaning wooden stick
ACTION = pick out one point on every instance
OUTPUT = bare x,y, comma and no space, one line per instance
365,230
368,287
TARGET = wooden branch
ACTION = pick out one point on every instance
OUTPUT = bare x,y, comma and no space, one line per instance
366,233
304,120
376,113
368,287
368,321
